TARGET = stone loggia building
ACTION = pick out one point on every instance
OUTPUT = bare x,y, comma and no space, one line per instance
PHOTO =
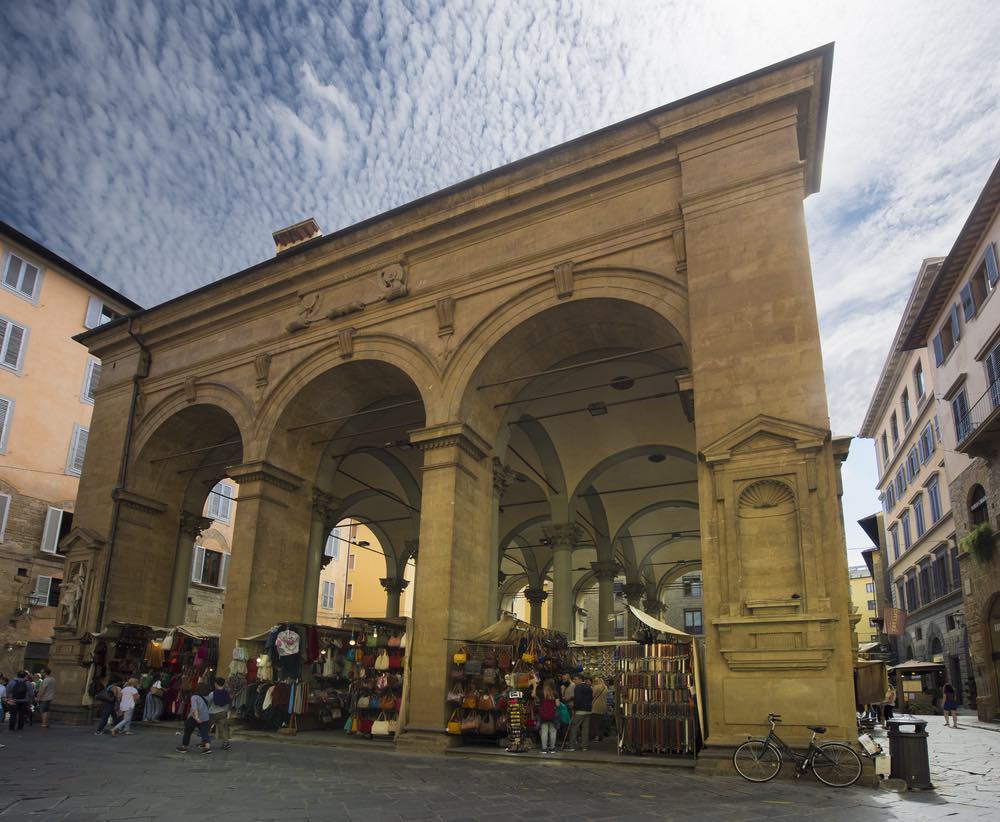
602,359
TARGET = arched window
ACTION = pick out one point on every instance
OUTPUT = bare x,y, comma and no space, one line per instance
978,512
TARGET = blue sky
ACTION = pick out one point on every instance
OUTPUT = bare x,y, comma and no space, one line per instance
158,145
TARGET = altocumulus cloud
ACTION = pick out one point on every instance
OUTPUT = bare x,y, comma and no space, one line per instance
159,144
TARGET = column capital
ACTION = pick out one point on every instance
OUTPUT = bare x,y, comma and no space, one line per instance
394,585
535,596
451,434
264,472
634,592
193,525
503,477
324,507
605,571
564,535
411,546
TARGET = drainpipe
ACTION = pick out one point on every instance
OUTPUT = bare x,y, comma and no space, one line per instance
145,358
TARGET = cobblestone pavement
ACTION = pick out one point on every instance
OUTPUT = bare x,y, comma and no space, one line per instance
70,774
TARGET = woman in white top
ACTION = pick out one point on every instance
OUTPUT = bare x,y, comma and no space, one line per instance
130,695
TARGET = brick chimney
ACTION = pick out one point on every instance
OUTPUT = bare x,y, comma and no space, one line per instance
286,238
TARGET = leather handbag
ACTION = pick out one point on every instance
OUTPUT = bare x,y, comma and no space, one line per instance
402,641
383,640
393,641
382,661
454,723
460,657
489,676
473,667
457,673
395,661
488,726
489,659
365,725
382,682
455,695
371,641
374,703
380,727
388,703
364,702
471,723
504,663
486,703
368,660
471,700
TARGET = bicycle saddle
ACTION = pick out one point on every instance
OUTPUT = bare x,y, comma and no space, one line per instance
817,729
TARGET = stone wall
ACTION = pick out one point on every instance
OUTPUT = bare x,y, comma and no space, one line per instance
980,581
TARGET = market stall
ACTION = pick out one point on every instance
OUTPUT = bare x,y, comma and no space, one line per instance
917,684
298,677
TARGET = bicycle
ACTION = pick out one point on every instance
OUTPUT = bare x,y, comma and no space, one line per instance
832,763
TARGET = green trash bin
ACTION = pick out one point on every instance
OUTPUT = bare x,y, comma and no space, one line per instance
908,754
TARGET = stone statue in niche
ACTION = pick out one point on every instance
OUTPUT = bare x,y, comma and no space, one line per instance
770,562
71,595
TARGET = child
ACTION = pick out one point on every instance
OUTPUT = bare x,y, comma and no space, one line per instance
218,711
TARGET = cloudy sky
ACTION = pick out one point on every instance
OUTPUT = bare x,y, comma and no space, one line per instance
157,145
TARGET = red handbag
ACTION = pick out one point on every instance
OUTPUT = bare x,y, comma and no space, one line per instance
368,661
365,725
395,661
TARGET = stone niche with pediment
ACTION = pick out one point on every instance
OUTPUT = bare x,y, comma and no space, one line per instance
766,498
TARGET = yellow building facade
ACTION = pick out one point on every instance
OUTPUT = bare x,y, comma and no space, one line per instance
48,383
864,599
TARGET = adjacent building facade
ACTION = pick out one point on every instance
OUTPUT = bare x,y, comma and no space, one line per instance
863,598
48,384
921,551
958,321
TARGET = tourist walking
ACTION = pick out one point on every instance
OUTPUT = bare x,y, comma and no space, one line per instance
218,712
107,697
950,706
197,717
547,708
152,709
126,705
46,695
598,718
20,693
579,726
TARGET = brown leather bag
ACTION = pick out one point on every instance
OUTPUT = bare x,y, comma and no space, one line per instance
471,723
471,700
486,703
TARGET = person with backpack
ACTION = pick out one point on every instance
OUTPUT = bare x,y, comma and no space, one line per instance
20,693
197,717
218,712
107,697
583,702
547,716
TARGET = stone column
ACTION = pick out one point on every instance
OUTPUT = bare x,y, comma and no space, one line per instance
634,592
451,590
563,538
190,528
323,509
394,586
605,572
502,478
535,598
268,562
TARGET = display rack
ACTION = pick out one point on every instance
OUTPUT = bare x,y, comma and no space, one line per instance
655,703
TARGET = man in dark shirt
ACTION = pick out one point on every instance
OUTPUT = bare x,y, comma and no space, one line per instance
583,702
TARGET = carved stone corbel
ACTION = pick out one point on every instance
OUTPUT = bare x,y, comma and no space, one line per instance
445,310
563,273
345,338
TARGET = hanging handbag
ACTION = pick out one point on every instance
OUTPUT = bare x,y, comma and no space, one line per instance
368,660
457,673
471,700
486,703
382,682
488,726
365,725
374,703
489,659
460,657
505,662
364,702
489,676
501,725
382,662
402,640
395,661
473,667
455,695
383,640
371,641
529,655
393,726
393,641
380,727
388,703
349,725
501,703
471,723
454,723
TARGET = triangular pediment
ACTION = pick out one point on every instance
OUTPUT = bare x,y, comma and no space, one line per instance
764,433
81,538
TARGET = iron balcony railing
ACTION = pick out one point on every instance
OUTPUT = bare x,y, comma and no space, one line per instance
983,409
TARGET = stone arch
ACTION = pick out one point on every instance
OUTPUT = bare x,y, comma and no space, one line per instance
411,489
630,453
673,574
551,466
617,286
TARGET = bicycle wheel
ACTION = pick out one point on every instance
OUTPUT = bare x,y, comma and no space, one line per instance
836,764
757,761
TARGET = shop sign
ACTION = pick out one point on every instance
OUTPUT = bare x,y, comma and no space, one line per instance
895,621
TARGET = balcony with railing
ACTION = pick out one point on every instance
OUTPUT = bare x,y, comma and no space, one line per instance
978,431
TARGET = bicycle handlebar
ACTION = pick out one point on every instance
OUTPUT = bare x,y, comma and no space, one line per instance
774,717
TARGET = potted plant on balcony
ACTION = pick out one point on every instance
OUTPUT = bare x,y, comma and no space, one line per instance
979,542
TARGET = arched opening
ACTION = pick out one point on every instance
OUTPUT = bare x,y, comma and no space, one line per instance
176,524
978,509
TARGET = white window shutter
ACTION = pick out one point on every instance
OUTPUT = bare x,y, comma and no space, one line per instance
30,280
13,273
4,508
93,378
12,337
42,588
225,502
79,450
224,570
6,409
213,503
94,309
50,534
199,563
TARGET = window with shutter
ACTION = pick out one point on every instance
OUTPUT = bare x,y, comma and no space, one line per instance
220,503
938,350
78,450
968,301
21,277
4,508
13,341
40,596
328,596
990,258
6,415
91,380
332,549
224,571
50,533
94,309
956,326
198,565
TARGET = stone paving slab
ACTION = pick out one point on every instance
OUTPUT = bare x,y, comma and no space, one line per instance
70,774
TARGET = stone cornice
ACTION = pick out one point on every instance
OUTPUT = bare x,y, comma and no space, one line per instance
265,472
137,502
453,434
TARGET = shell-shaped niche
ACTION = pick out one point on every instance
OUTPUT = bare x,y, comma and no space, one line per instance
767,494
